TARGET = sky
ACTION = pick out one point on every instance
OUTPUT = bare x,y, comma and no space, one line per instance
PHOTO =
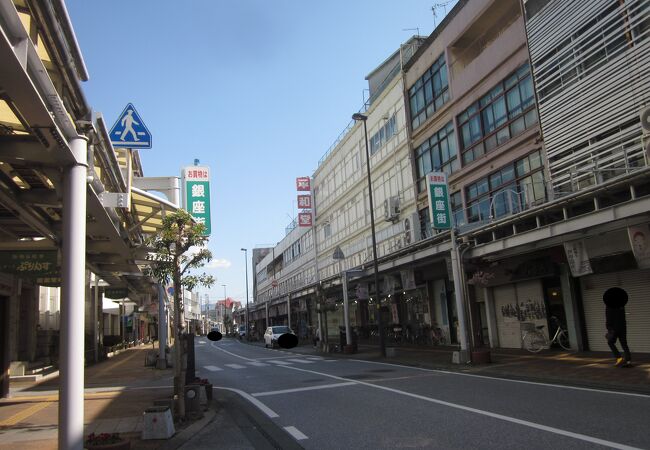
257,90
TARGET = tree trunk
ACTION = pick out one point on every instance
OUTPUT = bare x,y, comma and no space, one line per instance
179,376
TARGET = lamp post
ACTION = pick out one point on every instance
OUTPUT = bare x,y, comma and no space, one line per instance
382,337
246,265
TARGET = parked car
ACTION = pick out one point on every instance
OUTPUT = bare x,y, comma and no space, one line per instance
272,334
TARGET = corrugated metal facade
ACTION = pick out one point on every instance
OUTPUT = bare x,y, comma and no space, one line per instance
591,62
637,285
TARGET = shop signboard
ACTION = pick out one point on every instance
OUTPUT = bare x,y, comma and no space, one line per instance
439,201
116,293
30,264
640,241
577,257
196,184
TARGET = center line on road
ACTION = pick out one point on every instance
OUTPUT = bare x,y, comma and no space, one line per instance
526,423
296,433
303,389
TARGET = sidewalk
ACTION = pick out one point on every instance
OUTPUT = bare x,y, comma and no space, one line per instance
118,391
583,369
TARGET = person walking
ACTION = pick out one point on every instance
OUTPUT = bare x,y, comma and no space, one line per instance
316,337
615,300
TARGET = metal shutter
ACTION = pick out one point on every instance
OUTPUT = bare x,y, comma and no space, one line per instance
637,311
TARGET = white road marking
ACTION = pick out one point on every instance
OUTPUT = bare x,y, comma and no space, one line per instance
257,364
311,388
295,432
485,377
526,423
235,366
212,368
301,361
231,354
315,358
261,406
280,363
201,342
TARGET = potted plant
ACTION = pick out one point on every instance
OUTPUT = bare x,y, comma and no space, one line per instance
106,441
208,386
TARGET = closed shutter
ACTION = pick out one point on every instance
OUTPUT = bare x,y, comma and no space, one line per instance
517,303
507,326
637,311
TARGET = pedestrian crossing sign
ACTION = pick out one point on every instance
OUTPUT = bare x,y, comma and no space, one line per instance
130,131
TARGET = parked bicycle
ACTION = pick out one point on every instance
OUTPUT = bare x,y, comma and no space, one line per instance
535,340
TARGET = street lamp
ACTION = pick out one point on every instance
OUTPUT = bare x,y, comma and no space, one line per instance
246,265
382,337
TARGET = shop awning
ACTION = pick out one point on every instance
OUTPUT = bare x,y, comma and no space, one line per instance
149,210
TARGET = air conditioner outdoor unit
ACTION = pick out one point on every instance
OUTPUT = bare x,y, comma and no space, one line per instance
645,119
391,209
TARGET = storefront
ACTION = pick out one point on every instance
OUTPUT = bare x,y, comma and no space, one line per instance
618,259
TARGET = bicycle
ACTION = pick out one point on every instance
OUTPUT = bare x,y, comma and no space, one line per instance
535,340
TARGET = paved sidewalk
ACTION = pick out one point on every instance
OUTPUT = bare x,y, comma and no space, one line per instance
117,392
583,369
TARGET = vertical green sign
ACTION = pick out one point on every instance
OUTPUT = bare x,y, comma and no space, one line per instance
197,195
439,201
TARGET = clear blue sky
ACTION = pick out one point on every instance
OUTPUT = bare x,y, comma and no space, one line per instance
255,89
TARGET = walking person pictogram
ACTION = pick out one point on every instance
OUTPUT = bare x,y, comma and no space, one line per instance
127,122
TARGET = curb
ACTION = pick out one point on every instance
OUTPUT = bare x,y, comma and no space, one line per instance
186,435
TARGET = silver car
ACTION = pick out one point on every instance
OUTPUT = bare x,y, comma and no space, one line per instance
272,334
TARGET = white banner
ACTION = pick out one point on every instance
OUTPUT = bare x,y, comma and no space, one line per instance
640,243
576,255
408,280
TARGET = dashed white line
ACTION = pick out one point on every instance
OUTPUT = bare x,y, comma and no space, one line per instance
301,361
235,366
296,433
280,363
257,364
212,368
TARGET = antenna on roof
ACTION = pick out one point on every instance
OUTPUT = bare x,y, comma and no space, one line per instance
412,29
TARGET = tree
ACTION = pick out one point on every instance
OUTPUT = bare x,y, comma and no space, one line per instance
179,234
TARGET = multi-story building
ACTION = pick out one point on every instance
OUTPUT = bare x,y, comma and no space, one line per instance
550,204
591,64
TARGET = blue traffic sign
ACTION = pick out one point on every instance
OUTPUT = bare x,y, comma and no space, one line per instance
130,131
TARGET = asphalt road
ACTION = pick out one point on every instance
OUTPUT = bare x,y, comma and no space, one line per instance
327,403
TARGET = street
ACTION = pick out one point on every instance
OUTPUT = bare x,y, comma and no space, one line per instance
335,403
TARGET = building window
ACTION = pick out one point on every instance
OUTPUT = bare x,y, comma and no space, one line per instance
382,136
504,112
425,223
511,189
437,154
429,92
456,204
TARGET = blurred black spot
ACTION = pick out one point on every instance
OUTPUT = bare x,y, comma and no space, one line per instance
615,297
214,335
288,340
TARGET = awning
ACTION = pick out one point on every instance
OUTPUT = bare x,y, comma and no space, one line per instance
149,210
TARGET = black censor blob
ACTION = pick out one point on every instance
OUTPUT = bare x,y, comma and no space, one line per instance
214,335
288,340
615,297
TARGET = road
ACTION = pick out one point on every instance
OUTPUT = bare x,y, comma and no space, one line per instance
326,403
